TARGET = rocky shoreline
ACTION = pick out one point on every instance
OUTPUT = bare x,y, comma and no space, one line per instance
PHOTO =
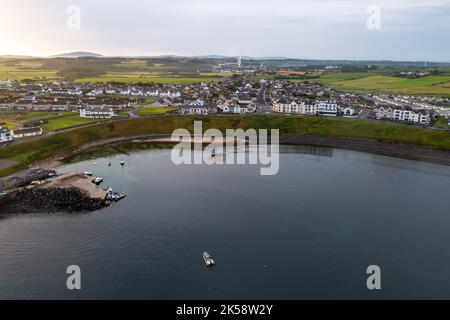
52,200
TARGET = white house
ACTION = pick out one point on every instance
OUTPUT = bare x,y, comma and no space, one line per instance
411,116
5,135
323,108
403,115
384,113
232,108
97,113
26,132
284,107
347,112
193,109
307,108
327,108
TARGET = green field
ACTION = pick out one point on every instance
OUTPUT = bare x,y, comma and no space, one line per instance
66,121
375,82
155,111
64,142
148,77
15,73
52,120
164,71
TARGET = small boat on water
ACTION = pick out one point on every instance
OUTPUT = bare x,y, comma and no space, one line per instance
208,259
122,163
98,180
3,194
114,196
88,173
118,196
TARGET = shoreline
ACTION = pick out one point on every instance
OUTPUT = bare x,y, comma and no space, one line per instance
61,196
391,149
395,150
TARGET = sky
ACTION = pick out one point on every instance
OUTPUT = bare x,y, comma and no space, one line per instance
416,30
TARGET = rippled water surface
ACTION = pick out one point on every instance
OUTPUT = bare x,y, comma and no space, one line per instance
309,232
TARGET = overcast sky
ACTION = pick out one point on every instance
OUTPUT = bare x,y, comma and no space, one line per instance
313,29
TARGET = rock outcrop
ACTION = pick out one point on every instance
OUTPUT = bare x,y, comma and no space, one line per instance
50,200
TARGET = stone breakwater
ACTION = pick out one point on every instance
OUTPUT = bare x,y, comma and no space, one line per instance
51,200
64,193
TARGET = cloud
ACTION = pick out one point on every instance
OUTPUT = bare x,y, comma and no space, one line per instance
298,28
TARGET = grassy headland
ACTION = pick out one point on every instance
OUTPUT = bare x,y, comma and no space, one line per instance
64,143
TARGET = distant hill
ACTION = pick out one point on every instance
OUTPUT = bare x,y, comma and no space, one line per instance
77,55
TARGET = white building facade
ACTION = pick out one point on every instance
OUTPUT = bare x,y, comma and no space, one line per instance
5,135
26,132
97,113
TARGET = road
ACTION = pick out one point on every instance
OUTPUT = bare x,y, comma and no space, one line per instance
365,113
262,101
134,113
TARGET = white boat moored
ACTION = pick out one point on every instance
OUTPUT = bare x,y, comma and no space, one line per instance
208,259
98,180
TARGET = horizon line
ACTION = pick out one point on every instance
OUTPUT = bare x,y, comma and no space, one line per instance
217,56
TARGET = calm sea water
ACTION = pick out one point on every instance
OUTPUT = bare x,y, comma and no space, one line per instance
309,232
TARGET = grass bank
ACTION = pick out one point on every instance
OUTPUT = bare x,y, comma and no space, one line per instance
64,143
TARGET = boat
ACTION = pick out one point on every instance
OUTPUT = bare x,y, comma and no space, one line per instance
109,164
118,196
122,163
95,163
3,194
208,259
98,180
88,173
114,196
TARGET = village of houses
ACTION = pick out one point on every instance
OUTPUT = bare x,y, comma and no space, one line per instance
234,95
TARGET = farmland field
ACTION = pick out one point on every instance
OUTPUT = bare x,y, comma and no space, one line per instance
376,82
15,73
51,120
148,77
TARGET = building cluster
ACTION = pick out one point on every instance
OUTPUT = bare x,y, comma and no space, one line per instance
309,99
235,95
326,108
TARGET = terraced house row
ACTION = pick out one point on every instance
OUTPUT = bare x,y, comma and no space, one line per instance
7,135
404,114
327,108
